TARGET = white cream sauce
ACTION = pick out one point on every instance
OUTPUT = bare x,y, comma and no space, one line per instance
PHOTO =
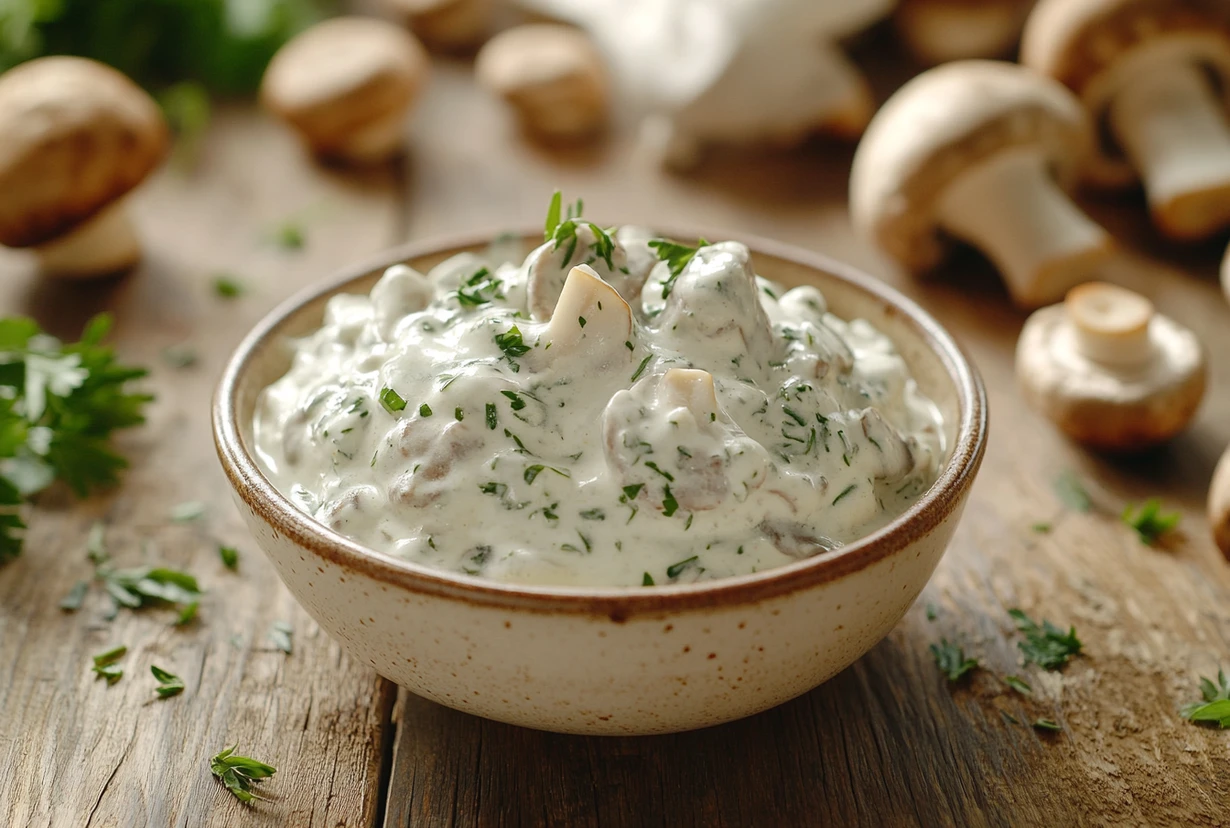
564,422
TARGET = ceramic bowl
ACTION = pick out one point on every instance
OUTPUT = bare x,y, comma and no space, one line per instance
615,660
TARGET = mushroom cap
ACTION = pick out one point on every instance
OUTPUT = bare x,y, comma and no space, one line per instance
940,124
445,23
77,136
1219,504
343,75
1095,46
938,31
1112,408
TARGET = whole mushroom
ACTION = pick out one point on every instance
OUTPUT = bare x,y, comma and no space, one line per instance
1219,505
939,31
445,24
1109,371
552,76
346,86
78,137
1158,75
983,152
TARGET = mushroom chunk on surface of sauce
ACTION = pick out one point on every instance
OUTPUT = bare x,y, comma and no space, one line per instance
1109,371
1157,74
981,151
537,423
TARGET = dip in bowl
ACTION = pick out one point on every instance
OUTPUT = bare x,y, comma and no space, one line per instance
687,640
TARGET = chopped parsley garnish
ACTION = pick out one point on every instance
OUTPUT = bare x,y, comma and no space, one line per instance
228,287
492,487
844,492
640,369
1149,521
187,511
391,401
669,504
532,472
180,356
239,773
169,684
1047,646
581,321
515,401
951,660
459,414
290,236
424,410
565,230
229,556
794,415
647,580
649,464
676,569
1047,724
1215,706
593,514
1072,492
479,289
1018,684
280,633
106,666
492,416
511,343
677,257
630,492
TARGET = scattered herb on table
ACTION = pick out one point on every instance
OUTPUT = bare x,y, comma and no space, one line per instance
169,684
1045,645
290,236
1149,521
1041,528
280,633
59,405
1072,492
73,600
1019,684
140,586
239,773
180,356
933,612
107,665
188,511
188,614
1049,725
227,286
951,660
229,556
1215,704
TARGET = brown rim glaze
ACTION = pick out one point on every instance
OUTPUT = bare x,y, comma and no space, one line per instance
619,603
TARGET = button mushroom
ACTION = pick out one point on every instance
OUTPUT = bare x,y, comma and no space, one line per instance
551,75
1219,504
981,151
445,24
346,85
75,138
1158,74
1109,371
939,31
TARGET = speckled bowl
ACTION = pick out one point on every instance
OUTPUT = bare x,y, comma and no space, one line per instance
616,660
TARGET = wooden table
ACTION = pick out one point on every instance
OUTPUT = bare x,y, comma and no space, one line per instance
888,742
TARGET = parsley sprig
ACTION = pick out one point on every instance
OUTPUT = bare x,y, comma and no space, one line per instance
563,230
677,257
1215,706
239,773
951,660
59,405
140,586
1045,645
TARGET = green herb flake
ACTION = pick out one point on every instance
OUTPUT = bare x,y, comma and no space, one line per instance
228,287
73,600
511,343
494,488
391,401
553,215
677,257
630,492
1019,684
239,773
424,410
1049,725
933,612
844,492
281,634
676,569
532,472
593,514
1149,521
515,401
1214,708
229,556
1047,646
188,511
1042,528
180,356
647,580
1072,492
106,664
492,416
169,684
640,369
581,321
669,504
459,414
951,660
188,614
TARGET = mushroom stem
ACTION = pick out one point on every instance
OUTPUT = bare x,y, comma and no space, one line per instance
1111,324
1173,126
106,243
1219,504
1011,209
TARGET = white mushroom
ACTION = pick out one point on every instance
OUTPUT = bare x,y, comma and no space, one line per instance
445,24
346,85
1109,371
551,75
981,151
591,323
1219,505
401,291
75,138
1158,74
939,31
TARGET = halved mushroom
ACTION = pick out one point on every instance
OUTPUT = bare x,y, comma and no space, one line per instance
982,151
939,31
346,85
422,453
1158,74
445,24
590,324
552,75
78,136
1219,505
1109,371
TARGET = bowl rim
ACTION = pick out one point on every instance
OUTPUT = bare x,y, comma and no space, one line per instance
944,496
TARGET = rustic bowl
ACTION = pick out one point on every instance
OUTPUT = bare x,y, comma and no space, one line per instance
613,660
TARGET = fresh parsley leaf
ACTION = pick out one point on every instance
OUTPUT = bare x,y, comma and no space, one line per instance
188,614
932,612
630,492
1047,724
187,511
391,401
951,660
677,257
1149,521
1072,492
669,504
492,417
73,600
593,514
106,664
424,410
647,580
676,569
141,586
515,401
511,343
565,231
844,492
1019,684
280,633
479,289
640,369
1215,707
228,287
1047,646
290,236
553,215
169,684
239,773
180,356
229,556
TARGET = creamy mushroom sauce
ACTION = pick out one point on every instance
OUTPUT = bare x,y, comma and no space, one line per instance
475,420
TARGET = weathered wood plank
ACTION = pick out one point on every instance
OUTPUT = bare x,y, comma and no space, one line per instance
76,752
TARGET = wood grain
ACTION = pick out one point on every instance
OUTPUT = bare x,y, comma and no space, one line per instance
74,751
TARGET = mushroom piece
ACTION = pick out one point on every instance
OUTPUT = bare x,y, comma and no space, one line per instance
1219,505
553,77
939,31
591,322
1110,372
78,137
982,151
445,24
1158,74
346,85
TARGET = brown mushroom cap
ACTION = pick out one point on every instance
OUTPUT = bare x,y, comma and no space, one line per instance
940,124
77,135
343,75
1093,46
1115,408
445,23
987,28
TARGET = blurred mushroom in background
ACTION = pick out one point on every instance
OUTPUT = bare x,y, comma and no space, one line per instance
1158,75
1225,275
1219,505
552,75
1109,371
447,25
76,136
700,73
346,86
939,31
983,152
